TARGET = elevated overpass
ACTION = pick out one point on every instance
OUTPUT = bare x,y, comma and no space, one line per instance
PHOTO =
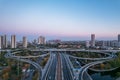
75,50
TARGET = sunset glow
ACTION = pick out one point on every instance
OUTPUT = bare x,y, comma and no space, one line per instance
62,18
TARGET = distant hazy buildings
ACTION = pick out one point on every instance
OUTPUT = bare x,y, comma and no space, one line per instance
92,44
56,41
41,40
110,43
87,44
13,41
24,42
92,40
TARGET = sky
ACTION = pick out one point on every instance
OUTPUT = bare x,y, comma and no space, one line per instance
61,19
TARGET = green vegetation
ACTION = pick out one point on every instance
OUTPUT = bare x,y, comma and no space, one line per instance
35,76
116,61
44,61
3,60
26,52
23,52
11,71
9,67
87,54
118,74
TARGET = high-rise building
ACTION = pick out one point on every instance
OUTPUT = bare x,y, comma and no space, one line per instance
92,40
13,41
0,42
118,37
118,40
41,40
3,41
24,42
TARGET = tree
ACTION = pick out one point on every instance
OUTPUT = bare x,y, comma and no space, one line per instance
102,66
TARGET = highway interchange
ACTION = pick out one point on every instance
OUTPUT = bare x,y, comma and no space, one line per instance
59,67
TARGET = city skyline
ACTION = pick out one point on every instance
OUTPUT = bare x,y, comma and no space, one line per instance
42,38
65,20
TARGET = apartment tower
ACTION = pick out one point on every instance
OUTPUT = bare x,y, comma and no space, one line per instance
92,40
13,41
24,42
3,42
41,40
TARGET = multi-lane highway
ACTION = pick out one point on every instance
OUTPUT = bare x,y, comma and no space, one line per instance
37,66
50,72
67,74
83,74
59,67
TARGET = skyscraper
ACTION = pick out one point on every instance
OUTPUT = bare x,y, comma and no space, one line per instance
3,41
92,40
118,40
0,42
13,41
41,40
118,37
24,42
